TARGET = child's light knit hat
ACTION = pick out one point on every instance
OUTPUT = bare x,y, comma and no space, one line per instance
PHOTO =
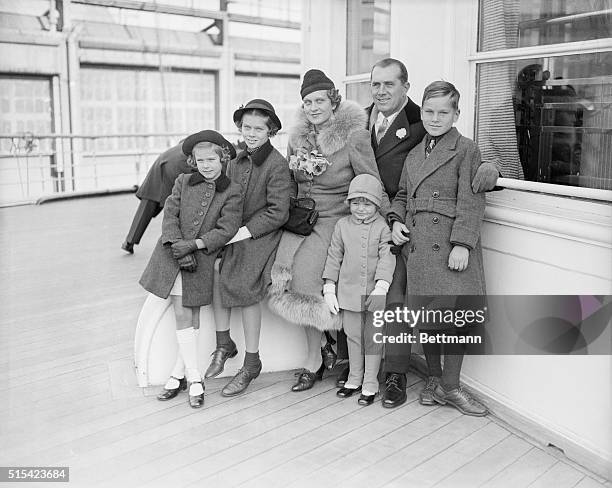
366,186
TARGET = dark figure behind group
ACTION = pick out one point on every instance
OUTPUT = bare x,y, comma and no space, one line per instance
361,167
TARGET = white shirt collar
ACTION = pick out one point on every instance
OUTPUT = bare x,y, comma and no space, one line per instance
390,118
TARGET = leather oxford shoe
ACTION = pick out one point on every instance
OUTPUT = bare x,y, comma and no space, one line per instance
329,356
366,400
347,392
240,382
196,401
461,400
219,356
168,394
128,247
342,377
306,380
426,394
395,390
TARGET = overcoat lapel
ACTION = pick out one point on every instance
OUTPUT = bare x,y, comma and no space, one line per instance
390,139
442,153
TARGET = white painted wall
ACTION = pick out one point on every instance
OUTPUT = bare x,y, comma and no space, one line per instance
534,243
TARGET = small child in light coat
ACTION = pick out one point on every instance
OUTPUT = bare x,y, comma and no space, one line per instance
360,268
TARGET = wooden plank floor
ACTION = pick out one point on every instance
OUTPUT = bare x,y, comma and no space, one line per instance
68,310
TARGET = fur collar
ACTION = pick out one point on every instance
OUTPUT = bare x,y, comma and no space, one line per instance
348,118
221,183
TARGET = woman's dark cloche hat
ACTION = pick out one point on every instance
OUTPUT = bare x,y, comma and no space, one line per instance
207,136
315,80
259,104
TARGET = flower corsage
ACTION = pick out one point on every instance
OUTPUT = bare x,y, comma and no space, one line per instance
313,163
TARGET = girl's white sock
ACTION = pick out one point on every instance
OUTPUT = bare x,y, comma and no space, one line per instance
178,371
186,339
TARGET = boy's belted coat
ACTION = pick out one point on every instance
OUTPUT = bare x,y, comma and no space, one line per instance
436,203
210,211
265,184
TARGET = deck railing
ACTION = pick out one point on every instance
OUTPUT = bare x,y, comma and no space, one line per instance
34,167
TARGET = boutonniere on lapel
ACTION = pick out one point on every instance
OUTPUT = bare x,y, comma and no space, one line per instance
400,133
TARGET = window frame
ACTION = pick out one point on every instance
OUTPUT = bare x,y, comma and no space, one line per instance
476,58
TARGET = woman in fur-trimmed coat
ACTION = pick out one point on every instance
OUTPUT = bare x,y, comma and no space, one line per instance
328,147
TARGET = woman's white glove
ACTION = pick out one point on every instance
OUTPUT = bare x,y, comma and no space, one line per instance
329,295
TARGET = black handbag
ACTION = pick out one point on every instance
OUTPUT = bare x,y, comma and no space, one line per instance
302,216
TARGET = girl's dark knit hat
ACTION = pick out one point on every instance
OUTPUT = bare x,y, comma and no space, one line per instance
314,80
259,104
207,136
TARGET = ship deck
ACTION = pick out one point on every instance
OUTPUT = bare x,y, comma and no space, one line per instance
69,306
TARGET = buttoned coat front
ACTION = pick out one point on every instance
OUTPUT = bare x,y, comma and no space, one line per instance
265,183
210,211
436,202
359,255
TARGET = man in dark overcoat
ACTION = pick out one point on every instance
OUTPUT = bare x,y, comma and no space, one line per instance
394,122
154,190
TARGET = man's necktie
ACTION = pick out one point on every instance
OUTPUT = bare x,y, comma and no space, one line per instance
382,129
429,147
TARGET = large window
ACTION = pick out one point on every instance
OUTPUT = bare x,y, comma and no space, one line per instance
283,92
542,22
28,166
124,101
546,118
368,41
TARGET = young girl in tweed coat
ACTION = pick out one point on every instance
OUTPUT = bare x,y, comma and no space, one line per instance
201,215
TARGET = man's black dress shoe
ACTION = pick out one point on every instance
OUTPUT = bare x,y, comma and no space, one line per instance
342,377
219,356
329,356
166,394
128,247
366,400
347,392
395,390
196,401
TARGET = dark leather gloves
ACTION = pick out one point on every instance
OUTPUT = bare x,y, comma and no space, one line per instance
188,263
183,247
396,250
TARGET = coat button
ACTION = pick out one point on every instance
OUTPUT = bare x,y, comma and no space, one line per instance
210,185
435,247
196,222
207,194
200,213
435,194
435,220
204,204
